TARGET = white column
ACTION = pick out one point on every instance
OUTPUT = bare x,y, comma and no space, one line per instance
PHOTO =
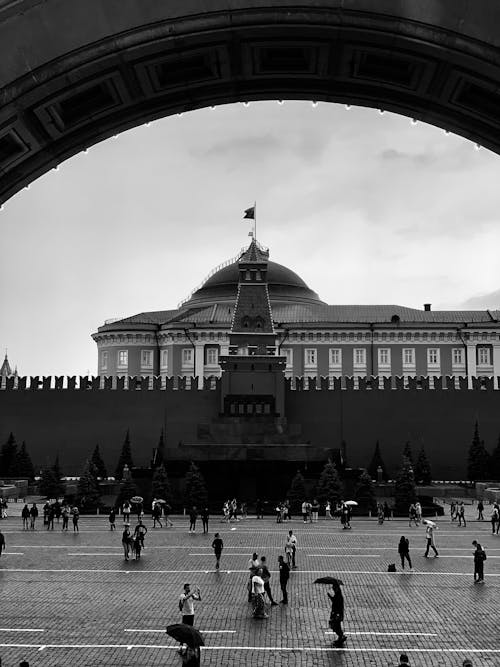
471,363
496,363
199,362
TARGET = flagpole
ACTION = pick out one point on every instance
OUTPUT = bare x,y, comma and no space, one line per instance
255,220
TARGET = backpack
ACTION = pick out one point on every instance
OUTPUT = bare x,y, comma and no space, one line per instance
391,567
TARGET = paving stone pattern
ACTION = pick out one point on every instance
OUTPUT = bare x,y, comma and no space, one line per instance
81,597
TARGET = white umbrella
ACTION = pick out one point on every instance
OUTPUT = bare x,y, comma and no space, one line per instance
352,503
428,522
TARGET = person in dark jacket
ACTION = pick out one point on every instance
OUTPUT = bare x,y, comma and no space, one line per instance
479,558
404,552
337,613
266,576
193,515
284,577
204,519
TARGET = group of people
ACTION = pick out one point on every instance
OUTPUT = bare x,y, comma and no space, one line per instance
415,514
51,512
457,512
231,510
133,543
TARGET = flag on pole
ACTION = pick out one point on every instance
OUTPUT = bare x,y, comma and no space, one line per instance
250,233
249,213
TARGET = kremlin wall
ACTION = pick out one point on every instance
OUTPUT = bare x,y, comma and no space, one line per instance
253,377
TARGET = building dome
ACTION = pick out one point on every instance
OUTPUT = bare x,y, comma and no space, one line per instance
284,286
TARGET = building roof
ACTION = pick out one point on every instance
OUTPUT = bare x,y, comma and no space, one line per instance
5,369
292,303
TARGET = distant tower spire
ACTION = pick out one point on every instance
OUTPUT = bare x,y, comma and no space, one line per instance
5,370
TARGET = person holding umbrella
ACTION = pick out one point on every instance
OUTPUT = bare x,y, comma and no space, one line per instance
337,611
190,640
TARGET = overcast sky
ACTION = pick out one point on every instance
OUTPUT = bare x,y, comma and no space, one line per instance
365,207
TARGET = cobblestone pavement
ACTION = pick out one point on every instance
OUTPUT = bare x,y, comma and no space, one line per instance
71,599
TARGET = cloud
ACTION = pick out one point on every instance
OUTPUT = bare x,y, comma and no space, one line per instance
490,301
253,147
423,159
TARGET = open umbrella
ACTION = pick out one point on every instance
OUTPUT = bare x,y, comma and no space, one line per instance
136,499
185,634
352,503
428,522
329,580
160,501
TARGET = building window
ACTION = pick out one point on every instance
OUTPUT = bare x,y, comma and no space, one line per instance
457,355
122,358
384,356
187,356
408,356
146,359
310,358
212,356
433,356
483,356
335,356
104,361
288,353
164,359
359,356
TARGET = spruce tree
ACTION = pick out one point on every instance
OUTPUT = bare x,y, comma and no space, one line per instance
377,461
160,487
408,453
125,457
495,462
60,489
99,463
423,474
478,460
296,494
49,486
8,456
159,458
89,496
404,488
365,492
195,490
23,466
329,485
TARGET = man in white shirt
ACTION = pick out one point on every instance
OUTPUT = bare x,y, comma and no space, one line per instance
186,604
253,565
291,544
259,609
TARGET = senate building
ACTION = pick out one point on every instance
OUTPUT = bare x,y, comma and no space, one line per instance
316,339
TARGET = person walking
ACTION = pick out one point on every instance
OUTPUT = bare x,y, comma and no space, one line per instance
495,519
304,511
65,517
2,542
156,514
337,613
429,533
204,519
259,607
50,517
284,577
25,516
126,507
412,515
291,548
315,510
266,576
112,518
76,515
33,516
186,603
126,538
461,515
480,510
453,511
404,552
166,515
140,532
191,656
253,566
479,558
193,515
217,546
418,513
137,545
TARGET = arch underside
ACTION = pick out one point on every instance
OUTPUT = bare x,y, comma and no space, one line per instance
389,62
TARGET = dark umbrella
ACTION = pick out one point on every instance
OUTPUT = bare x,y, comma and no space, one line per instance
328,580
185,634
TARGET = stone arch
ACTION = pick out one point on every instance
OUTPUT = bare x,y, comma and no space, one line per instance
75,73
